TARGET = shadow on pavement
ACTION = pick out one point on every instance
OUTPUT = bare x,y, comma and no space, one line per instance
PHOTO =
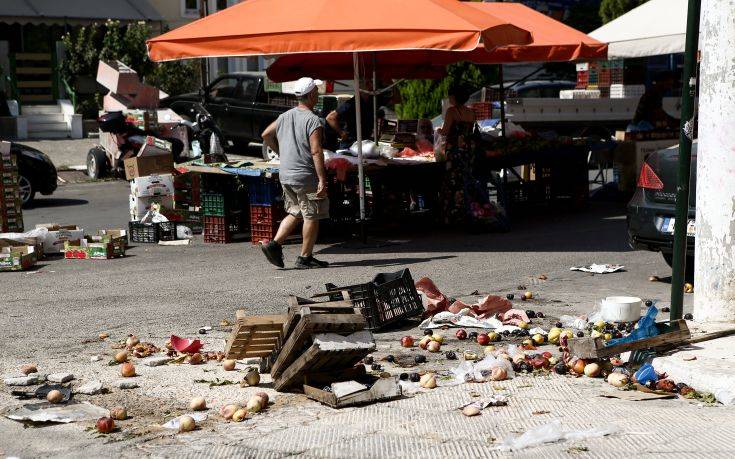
387,261
57,202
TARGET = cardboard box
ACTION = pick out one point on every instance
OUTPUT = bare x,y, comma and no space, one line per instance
141,166
154,146
106,245
139,206
152,185
58,234
17,258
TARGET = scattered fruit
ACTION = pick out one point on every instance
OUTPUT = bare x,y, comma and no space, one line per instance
688,288
187,424
434,346
540,362
420,359
595,334
195,359
103,335
648,303
239,415
540,315
510,296
538,339
527,343
528,295
553,360
494,337
55,396
368,360
468,355
127,370
28,369
489,350
523,325
461,334
653,279
592,370
105,425
264,397
530,314
121,357
428,381
666,309
688,317
131,341
428,332
607,336
473,335
407,341
228,411
438,338
578,366
425,341
390,358
414,377
617,379
554,335
450,355
470,410
252,378
403,376
483,339
254,405
558,325
498,374
560,368
119,413
229,364
198,404
665,385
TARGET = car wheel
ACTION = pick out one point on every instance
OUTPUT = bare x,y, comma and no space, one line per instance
268,153
27,192
96,163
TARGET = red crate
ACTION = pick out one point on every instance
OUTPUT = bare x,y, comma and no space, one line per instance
483,110
263,233
219,230
267,215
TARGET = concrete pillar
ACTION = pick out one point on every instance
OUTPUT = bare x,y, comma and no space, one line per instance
714,271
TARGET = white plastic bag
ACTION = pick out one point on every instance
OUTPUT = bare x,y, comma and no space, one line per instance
369,149
576,323
550,433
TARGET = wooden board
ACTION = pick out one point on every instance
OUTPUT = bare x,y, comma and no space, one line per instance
317,360
256,336
306,327
673,334
296,310
383,389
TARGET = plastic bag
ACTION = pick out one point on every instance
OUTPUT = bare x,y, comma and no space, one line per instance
551,433
646,373
576,323
646,328
369,149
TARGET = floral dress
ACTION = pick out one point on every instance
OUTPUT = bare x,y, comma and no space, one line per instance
459,152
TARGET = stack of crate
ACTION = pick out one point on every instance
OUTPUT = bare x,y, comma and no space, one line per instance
11,215
222,207
600,75
187,201
266,208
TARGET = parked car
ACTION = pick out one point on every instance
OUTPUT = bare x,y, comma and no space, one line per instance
238,103
37,174
652,208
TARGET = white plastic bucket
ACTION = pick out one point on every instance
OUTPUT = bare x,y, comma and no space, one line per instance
621,309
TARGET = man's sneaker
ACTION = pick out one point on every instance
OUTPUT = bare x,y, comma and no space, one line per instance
309,263
273,252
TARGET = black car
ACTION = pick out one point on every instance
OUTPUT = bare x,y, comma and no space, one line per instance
37,174
651,211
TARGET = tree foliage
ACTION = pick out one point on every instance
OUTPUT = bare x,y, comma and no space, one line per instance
612,9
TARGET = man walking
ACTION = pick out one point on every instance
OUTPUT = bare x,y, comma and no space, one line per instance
297,137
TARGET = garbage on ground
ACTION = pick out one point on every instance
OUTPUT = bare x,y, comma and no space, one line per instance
45,412
621,309
17,258
461,319
552,433
56,235
474,408
175,423
189,346
435,301
107,244
598,268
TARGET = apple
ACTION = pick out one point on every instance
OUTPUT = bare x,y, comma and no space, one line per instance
493,336
127,370
434,346
105,425
425,342
461,334
407,341
483,339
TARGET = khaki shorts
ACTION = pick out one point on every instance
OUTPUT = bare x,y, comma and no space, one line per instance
301,202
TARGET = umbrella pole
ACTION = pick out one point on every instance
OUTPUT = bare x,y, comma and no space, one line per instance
358,118
375,101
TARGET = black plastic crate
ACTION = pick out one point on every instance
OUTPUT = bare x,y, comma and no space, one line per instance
143,232
389,298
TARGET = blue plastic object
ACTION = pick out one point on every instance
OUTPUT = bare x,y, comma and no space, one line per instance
646,329
646,373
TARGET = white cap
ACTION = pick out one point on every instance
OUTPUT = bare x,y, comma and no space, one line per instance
305,85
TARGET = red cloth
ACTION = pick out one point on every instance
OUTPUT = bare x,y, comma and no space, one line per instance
485,308
491,305
437,301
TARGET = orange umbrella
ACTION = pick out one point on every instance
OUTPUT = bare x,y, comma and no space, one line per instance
274,27
552,41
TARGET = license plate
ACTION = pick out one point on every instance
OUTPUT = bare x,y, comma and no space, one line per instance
667,226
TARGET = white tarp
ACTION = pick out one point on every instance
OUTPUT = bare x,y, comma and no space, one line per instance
654,28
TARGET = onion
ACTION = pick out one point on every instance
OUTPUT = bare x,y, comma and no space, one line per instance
198,404
592,370
229,364
424,342
119,413
428,381
617,379
187,424
239,415
254,404
195,359
105,425
498,374
54,396
28,369
127,370
228,411
121,357
131,341
252,377
578,366
470,410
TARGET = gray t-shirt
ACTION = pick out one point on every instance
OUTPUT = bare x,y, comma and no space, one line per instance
293,130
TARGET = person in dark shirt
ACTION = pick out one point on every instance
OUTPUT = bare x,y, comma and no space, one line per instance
343,124
650,106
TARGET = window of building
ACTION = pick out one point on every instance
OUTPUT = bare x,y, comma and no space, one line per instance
190,8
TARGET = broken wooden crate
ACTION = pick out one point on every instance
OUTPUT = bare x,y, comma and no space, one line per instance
354,387
671,334
256,336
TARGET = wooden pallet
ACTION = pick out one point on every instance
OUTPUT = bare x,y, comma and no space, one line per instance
307,324
298,306
672,334
318,360
379,390
256,336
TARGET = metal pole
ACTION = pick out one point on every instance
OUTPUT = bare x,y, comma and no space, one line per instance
358,118
502,101
204,69
375,100
685,159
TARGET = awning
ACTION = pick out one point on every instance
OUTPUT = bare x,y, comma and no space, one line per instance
654,28
60,11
